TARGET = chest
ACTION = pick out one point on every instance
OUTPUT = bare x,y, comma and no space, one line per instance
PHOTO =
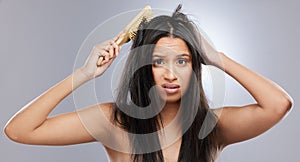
170,153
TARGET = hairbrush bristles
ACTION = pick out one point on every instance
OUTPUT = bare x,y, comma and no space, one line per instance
131,29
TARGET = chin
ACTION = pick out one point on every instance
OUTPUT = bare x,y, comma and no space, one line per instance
171,99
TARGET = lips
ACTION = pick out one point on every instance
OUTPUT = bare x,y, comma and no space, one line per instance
171,88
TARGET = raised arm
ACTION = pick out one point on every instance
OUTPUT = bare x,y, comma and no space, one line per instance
241,123
31,124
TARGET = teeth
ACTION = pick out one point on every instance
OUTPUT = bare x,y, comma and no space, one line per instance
173,87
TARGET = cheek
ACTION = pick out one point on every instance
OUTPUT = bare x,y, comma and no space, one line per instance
156,74
185,77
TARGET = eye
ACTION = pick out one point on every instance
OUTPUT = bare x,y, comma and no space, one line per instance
181,61
158,62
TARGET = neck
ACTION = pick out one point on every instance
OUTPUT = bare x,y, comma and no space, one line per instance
169,112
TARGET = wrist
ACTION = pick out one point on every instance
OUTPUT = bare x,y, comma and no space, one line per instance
82,75
219,61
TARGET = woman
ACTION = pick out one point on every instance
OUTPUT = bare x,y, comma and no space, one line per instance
165,61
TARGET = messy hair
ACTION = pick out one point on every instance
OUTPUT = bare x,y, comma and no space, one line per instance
137,80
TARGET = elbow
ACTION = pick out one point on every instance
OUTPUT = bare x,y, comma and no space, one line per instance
8,131
13,134
284,105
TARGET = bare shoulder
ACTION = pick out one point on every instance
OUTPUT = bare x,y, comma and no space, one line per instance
218,112
102,109
107,109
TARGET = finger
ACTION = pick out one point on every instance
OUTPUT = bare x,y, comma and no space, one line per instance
96,54
107,57
103,62
100,60
111,50
107,63
107,47
102,53
101,56
116,48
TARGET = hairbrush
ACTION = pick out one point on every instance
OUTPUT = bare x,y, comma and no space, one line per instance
131,29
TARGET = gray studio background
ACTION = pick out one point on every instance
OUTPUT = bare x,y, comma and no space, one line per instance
39,41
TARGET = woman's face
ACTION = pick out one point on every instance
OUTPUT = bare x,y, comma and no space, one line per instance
172,68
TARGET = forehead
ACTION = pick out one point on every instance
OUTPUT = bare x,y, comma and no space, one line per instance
174,45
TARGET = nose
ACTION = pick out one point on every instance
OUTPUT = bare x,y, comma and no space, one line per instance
170,75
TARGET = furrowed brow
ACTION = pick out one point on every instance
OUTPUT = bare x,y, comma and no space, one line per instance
183,55
159,56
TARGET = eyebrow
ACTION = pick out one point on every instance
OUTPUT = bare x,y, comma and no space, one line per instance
184,54
159,56
180,55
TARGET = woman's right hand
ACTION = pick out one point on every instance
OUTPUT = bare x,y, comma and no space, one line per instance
109,50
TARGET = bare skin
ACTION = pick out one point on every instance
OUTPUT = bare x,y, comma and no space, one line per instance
31,125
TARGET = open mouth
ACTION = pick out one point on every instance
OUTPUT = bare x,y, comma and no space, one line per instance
171,88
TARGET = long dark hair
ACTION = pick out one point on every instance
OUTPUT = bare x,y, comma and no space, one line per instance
137,80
